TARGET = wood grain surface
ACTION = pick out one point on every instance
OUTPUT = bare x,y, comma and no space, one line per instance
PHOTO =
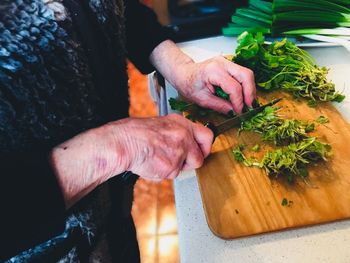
241,201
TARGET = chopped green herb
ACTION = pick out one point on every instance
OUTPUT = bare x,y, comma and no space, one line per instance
256,148
292,160
339,98
238,154
310,127
312,103
284,202
240,157
275,129
322,120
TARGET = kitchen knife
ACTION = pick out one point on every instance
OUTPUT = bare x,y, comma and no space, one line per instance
222,127
236,121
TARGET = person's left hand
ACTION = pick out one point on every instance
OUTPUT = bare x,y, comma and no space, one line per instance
196,82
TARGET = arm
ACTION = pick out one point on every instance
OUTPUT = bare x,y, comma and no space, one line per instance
37,191
154,148
148,46
143,34
31,201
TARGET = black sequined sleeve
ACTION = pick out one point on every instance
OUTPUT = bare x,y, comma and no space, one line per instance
143,34
32,206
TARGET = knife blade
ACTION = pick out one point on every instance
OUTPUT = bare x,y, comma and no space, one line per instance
237,120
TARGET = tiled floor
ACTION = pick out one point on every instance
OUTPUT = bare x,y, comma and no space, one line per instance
153,208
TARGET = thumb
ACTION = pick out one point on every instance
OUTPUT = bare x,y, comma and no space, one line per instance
204,137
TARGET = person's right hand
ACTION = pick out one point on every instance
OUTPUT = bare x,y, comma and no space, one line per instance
154,148
159,148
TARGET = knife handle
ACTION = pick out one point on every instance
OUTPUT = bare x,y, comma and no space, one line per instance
213,128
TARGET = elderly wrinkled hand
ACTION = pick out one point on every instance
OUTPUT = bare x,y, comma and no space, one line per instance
159,148
199,80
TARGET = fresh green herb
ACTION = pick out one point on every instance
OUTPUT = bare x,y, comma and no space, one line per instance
287,131
240,157
292,160
312,103
179,105
275,129
256,148
286,202
284,66
220,93
339,98
238,154
196,112
322,120
299,151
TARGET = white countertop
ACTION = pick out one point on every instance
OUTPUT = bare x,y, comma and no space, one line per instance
323,243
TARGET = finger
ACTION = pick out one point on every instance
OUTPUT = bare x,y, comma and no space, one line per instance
194,158
204,138
210,101
231,87
244,76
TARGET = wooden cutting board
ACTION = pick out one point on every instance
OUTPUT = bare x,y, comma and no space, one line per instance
241,201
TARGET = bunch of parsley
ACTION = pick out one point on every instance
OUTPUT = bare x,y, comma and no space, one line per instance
282,65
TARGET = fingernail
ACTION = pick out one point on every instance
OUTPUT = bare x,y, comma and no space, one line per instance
255,103
245,108
231,114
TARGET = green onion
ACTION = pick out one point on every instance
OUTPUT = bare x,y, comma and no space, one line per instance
293,17
244,21
236,30
263,6
320,31
291,5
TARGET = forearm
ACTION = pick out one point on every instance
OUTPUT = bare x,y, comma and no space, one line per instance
86,161
170,61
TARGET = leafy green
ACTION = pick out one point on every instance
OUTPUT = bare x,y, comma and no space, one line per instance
179,105
240,157
286,202
322,120
275,129
238,154
256,148
220,93
284,66
292,160
194,112
312,103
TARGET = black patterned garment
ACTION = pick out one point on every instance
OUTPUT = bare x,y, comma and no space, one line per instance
63,71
